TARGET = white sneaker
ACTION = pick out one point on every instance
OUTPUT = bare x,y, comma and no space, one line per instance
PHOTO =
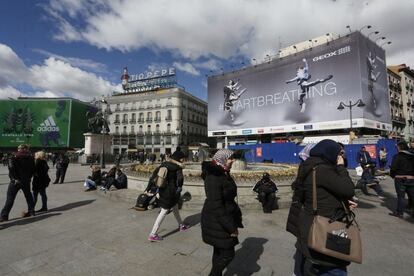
303,108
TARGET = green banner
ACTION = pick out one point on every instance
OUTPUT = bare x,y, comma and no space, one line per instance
40,123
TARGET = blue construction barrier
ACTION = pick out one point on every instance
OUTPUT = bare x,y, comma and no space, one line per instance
288,152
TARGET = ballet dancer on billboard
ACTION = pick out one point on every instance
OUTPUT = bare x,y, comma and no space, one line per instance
302,78
372,75
231,95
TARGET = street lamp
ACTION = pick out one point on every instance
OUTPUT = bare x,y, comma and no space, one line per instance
342,106
105,131
380,38
366,26
388,43
349,28
374,32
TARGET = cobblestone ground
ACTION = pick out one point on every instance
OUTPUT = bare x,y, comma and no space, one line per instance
86,234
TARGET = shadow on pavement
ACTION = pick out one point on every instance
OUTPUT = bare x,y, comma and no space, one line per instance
193,220
24,221
245,261
72,205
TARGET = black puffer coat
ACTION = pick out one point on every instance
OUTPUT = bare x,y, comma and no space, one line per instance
221,216
169,195
40,178
333,185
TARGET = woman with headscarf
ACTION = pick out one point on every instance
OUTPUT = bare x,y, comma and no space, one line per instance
221,216
334,188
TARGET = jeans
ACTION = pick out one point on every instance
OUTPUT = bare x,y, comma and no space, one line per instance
60,175
89,184
403,186
161,216
11,196
221,259
43,195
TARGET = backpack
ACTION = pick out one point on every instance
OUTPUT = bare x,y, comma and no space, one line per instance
161,177
142,202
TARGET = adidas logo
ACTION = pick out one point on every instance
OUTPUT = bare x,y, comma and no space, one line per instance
48,125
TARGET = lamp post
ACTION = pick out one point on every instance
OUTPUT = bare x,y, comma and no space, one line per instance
380,38
358,103
386,43
105,131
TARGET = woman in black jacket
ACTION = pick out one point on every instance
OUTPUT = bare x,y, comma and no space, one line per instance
334,187
221,216
41,179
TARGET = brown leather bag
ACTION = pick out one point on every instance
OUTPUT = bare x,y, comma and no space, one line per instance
337,239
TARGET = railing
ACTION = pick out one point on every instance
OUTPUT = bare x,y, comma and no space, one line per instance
132,121
141,120
168,119
117,122
140,133
149,120
157,120
125,121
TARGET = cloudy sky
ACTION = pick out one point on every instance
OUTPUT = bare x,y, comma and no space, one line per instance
78,48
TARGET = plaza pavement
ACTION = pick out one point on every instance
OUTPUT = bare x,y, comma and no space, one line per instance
87,234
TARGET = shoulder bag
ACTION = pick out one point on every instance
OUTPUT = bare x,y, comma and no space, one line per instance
338,239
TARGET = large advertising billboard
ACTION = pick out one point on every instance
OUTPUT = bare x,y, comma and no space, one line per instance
302,92
40,123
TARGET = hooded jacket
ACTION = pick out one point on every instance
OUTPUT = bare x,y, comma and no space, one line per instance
21,167
221,216
402,164
169,194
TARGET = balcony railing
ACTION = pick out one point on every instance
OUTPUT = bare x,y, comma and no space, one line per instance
168,132
149,120
168,104
157,120
157,132
158,106
141,120
125,121
140,133
168,118
148,132
117,122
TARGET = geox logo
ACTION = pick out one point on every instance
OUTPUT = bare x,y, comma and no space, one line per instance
48,125
338,52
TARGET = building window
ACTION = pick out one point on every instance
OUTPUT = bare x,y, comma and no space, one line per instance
132,129
117,129
168,127
133,116
117,118
125,129
157,128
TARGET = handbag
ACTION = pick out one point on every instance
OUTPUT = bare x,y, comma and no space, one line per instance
338,239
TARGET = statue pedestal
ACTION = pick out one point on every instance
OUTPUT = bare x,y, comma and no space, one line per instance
94,142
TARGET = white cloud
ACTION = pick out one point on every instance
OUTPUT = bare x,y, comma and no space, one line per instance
52,78
76,62
186,67
225,29
9,92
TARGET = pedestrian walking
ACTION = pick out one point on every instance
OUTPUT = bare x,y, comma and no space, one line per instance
221,216
335,189
402,170
169,194
21,168
62,164
41,179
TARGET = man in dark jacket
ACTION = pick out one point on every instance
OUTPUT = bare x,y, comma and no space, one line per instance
21,169
402,170
62,164
169,194
266,189
334,188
